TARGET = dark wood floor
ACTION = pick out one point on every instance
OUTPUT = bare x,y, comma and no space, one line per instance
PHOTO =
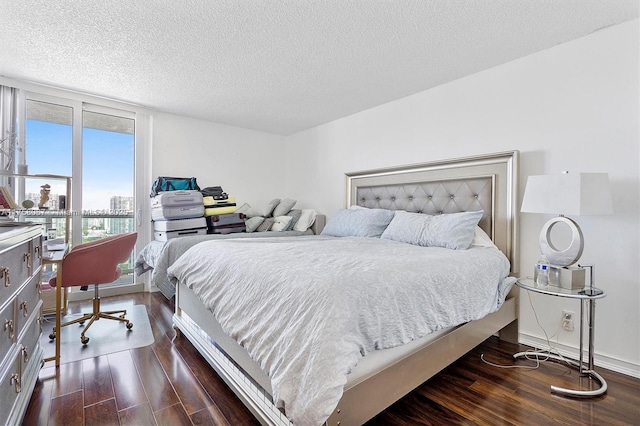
169,383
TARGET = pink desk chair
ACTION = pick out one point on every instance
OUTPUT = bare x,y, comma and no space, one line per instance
95,263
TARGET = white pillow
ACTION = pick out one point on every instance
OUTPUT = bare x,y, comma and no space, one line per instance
280,223
453,231
358,222
284,207
307,217
407,227
481,239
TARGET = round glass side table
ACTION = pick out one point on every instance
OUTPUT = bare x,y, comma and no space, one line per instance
587,297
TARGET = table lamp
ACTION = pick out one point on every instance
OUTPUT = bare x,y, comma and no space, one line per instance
575,194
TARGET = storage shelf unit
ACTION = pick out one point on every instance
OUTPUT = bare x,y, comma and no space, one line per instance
35,212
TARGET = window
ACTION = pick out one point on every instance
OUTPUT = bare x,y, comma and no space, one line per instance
96,147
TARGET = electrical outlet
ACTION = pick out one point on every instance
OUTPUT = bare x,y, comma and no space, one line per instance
567,320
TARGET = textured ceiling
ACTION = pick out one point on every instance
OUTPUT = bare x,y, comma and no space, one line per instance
279,66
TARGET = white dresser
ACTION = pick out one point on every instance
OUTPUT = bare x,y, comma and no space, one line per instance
20,318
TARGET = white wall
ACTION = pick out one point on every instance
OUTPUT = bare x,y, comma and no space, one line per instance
572,107
246,163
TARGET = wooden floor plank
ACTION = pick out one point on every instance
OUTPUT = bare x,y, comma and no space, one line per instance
127,386
209,416
137,415
67,410
190,392
97,382
67,378
104,413
157,386
174,415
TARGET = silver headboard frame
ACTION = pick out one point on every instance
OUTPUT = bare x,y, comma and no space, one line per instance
487,182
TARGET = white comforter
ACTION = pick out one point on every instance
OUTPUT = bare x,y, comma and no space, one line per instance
157,256
307,308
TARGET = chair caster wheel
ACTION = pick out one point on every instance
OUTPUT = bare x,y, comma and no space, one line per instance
52,336
84,340
129,325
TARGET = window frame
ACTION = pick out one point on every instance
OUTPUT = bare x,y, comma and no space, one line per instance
142,152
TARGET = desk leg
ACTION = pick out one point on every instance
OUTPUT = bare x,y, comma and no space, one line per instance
58,308
586,370
59,289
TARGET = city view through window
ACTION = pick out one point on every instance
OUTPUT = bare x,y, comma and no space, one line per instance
107,169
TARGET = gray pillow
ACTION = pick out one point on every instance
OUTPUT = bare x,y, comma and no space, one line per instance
358,223
263,210
295,215
284,207
253,223
265,225
453,231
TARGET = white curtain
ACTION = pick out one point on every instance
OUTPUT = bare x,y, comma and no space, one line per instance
8,127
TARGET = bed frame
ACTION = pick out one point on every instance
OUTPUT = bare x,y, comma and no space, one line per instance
488,183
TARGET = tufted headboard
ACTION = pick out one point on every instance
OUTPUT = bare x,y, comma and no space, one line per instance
487,183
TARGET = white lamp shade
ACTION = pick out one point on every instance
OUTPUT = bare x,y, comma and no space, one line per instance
576,194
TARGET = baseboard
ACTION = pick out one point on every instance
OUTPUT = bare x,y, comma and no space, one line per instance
602,361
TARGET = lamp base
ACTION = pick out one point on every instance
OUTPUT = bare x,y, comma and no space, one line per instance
569,278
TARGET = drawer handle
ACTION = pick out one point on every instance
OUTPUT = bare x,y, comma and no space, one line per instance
40,322
27,258
4,272
25,354
15,381
38,252
8,325
23,307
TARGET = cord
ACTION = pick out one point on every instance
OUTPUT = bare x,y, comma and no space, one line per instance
527,367
535,355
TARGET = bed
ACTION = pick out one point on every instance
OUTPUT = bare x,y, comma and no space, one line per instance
157,256
375,376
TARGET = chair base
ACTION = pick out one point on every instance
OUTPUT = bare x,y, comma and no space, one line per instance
94,316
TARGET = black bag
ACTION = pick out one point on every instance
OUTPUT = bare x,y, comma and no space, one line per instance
214,191
164,183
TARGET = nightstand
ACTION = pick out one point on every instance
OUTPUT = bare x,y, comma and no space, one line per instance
587,297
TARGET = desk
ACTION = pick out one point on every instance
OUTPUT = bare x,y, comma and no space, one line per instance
587,306
56,258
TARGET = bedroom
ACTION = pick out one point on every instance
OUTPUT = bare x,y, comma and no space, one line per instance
573,106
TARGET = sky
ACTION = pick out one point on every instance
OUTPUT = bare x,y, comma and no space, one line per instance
108,161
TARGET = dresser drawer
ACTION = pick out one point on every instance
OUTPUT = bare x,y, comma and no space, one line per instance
15,267
10,388
30,342
36,252
27,301
7,329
